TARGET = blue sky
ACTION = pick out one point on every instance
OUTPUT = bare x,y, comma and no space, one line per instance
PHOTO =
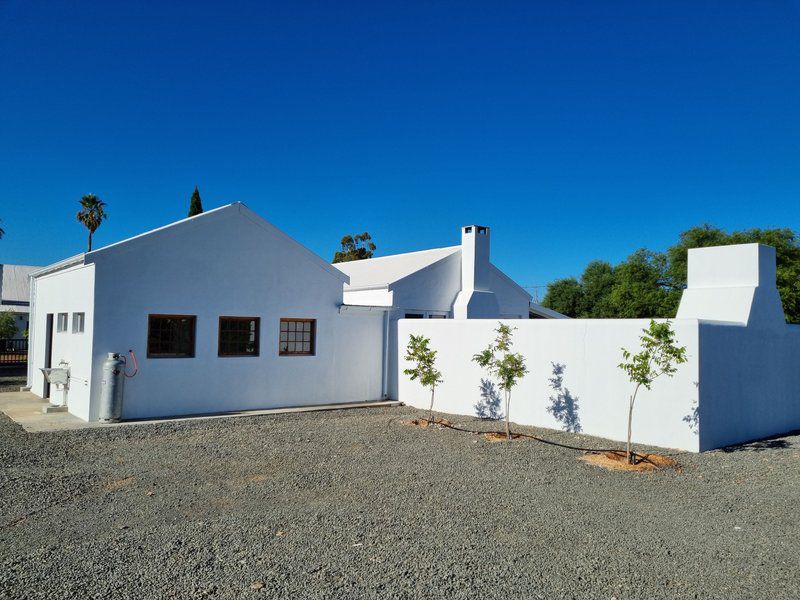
576,130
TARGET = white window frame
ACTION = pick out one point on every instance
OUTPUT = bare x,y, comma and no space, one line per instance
78,318
62,322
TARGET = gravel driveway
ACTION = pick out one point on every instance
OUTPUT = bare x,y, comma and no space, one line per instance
354,504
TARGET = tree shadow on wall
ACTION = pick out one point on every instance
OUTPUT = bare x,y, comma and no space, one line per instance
693,418
488,407
563,405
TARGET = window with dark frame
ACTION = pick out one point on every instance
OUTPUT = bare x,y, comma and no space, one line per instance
238,336
297,337
171,336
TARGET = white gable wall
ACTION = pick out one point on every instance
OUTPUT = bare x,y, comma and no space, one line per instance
67,291
513,301
229,263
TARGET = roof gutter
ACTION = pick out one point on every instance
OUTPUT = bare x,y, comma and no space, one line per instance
78,259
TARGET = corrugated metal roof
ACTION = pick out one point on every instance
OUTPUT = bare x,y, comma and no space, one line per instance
15,286
383,271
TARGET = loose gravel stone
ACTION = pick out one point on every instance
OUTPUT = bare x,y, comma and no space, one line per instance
353,503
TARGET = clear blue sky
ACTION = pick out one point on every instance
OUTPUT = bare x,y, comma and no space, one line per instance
576,130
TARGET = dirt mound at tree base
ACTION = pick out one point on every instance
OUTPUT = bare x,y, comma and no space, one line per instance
618,461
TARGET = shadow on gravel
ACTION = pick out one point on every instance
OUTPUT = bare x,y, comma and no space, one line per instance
761,445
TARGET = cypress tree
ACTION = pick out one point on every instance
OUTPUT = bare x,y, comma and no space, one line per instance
195,204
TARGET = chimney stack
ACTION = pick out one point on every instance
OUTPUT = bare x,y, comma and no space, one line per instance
476,299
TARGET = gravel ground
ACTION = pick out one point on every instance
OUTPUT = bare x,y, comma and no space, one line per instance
354,504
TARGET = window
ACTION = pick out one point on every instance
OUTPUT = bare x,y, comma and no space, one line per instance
63,319
171,336
297,337
78,320
415,316
437,316
238,336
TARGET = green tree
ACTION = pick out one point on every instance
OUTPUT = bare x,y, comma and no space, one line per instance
639,288
195,204
91,214
355,247
650,284
423,357
504,365
787,257
565,296
658,356
8,326
596,283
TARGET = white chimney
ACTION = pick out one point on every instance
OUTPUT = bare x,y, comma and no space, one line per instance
476,299
733,284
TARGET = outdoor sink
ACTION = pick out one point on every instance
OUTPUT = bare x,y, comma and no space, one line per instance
56,376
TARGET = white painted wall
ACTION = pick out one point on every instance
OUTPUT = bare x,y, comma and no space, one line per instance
741,382
227,262
590,351
735,284
235,264
513,302
66,291
750,383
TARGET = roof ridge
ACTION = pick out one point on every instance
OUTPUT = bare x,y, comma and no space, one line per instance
367,260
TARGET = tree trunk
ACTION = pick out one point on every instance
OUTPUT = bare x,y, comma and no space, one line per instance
430,412
508,416
90,241
628,448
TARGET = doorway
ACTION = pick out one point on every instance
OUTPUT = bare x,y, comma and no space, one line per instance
48,352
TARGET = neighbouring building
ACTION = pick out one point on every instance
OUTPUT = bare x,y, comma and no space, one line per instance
444,283
15,294
226,312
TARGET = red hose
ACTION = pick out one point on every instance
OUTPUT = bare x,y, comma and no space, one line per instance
135,365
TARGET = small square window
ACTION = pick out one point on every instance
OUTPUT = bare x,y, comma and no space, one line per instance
238,336
63,320
78,320
297,337
171,336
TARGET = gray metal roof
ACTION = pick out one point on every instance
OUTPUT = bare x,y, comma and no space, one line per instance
14,284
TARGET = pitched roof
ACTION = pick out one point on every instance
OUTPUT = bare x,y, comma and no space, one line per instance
14,286
381,272
236,207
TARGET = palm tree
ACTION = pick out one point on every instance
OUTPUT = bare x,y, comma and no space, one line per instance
91,214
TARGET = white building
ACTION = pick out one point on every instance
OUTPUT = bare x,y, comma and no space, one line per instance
444,283
15,293
225,312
